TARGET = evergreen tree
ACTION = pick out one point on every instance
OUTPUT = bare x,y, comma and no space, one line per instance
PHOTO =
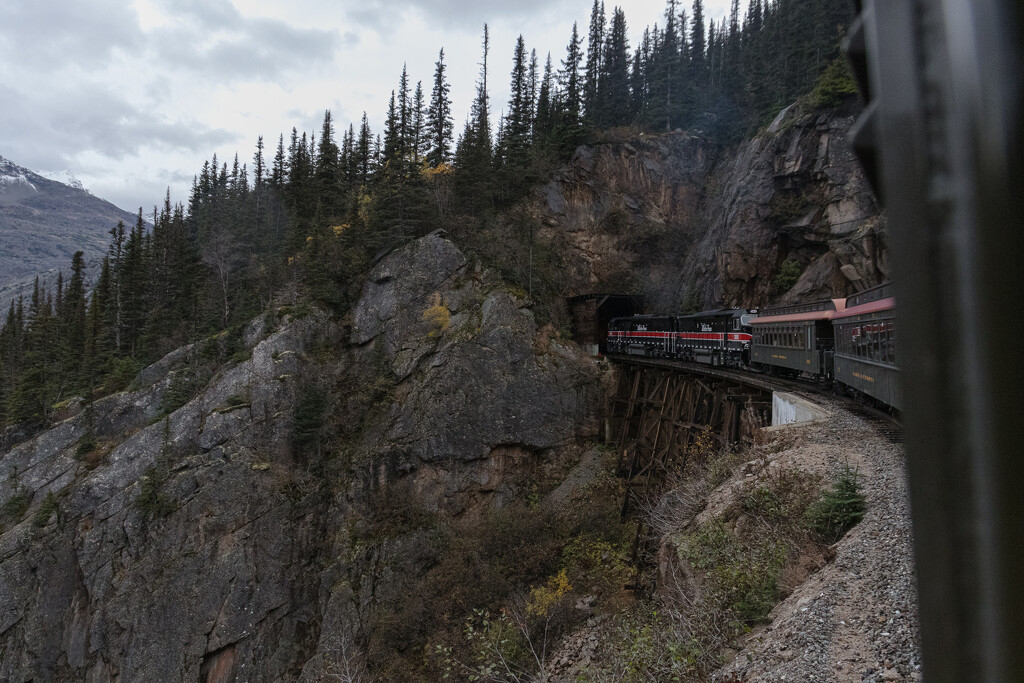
592,99
439,117
617,106
518,121
570,98
277,171
28,402
544,120
328,173
364,151
404,137
73,316
664,74
392,150
473,157
419,141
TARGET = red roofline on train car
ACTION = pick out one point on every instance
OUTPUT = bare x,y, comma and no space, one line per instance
840,308
870,307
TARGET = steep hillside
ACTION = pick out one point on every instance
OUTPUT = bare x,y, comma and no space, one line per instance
43,222
257,504
404,491
786,214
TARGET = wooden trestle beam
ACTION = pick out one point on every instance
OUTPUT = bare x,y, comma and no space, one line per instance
656,414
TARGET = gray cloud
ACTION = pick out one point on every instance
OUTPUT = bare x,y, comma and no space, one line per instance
211,14
88,119
469,15
211,39
64,32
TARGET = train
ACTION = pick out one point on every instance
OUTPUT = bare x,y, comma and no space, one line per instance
848,344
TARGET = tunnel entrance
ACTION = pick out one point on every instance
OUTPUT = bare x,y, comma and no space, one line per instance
591,313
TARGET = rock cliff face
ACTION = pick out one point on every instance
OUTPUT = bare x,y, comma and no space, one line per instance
215,542
666,217
617,205
797,194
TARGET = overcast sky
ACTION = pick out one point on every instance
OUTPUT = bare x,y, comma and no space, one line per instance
133,95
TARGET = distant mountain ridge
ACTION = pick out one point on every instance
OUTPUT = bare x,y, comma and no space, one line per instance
45,217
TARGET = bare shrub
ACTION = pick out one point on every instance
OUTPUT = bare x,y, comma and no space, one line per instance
340,660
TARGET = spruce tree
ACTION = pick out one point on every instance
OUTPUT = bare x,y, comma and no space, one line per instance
439,117
418,136
617,106
473,178
74,322
570,99
592,97
518,120
544,120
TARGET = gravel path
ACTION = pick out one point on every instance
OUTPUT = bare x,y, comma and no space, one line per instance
856,619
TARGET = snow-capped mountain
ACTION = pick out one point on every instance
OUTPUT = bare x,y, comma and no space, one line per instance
65,177
12,175
44,220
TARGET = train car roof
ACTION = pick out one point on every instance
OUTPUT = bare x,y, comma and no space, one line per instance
716,311
875,306
819,310
882,291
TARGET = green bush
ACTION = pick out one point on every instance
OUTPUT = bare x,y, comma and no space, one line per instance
789,273
185,384
45,511
743,577
86,445
151,501
839,509
835,85
123,373
15,506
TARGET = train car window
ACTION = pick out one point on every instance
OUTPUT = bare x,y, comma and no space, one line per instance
893,353
883,341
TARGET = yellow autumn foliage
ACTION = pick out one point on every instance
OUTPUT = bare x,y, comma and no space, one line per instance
438,315
442,170
545,597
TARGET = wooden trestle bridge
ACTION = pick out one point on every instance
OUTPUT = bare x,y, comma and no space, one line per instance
660,410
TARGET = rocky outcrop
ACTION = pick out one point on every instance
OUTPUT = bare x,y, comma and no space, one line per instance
616,204
666,217
477,392
177,549
795,193
215,543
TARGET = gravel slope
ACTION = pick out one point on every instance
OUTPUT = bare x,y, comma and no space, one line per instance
856,619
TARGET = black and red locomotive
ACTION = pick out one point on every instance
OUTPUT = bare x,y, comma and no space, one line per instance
719,338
